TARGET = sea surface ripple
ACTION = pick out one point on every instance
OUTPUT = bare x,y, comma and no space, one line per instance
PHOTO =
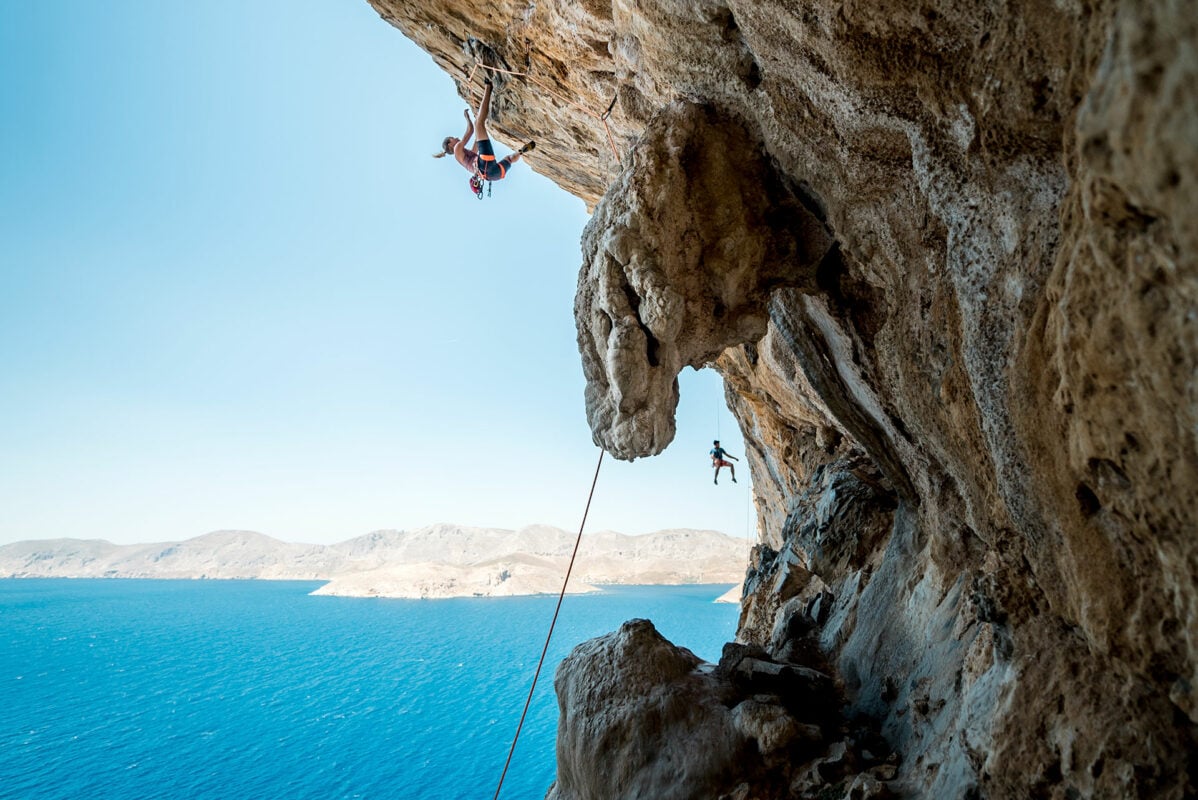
208,690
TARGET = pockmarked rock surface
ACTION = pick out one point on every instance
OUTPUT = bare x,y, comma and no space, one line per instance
968,393
680,260
638,720
640,717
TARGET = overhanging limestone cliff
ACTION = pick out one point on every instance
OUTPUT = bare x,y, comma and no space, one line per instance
681,258
972,421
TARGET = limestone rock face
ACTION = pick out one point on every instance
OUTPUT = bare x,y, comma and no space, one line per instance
968,393
642,718
680,259
637,720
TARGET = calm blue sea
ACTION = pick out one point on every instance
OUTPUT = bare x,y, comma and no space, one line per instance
130,690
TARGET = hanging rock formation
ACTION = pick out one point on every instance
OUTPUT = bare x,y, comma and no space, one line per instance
944,255
681,258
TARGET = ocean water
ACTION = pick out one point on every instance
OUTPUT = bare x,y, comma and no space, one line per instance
130,690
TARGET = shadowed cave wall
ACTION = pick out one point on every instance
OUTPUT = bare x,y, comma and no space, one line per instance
943,255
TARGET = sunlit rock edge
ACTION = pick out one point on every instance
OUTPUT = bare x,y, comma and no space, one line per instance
943,255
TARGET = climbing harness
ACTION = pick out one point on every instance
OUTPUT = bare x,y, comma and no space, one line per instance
549,90
478,179
561,596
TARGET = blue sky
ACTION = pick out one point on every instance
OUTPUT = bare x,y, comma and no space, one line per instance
235,292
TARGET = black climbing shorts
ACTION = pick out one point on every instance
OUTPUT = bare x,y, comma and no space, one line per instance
491,169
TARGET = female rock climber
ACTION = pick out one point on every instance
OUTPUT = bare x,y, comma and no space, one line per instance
479,160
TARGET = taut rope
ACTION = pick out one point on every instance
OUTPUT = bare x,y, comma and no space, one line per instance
556,611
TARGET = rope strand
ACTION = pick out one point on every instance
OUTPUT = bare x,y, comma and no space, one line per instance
561,596
548,90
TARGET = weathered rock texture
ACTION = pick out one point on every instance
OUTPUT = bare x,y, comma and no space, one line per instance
681,259
637,720
968,393
641,718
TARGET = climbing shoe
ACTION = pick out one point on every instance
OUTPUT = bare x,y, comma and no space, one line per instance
734,479
716,481
528,148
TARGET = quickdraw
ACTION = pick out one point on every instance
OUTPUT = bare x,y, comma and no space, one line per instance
601,118
476,185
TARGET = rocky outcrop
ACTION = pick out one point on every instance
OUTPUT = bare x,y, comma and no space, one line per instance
944,256
679,262
640,718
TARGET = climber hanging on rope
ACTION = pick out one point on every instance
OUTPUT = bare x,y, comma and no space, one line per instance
479,160
717,460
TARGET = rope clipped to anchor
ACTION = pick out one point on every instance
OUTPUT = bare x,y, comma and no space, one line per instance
602,118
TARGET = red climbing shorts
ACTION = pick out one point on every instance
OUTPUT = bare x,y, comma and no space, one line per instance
719,462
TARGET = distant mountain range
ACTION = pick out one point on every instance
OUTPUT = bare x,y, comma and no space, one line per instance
438,561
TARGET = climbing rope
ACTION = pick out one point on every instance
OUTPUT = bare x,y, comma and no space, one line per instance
748,503
561,596
549,90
